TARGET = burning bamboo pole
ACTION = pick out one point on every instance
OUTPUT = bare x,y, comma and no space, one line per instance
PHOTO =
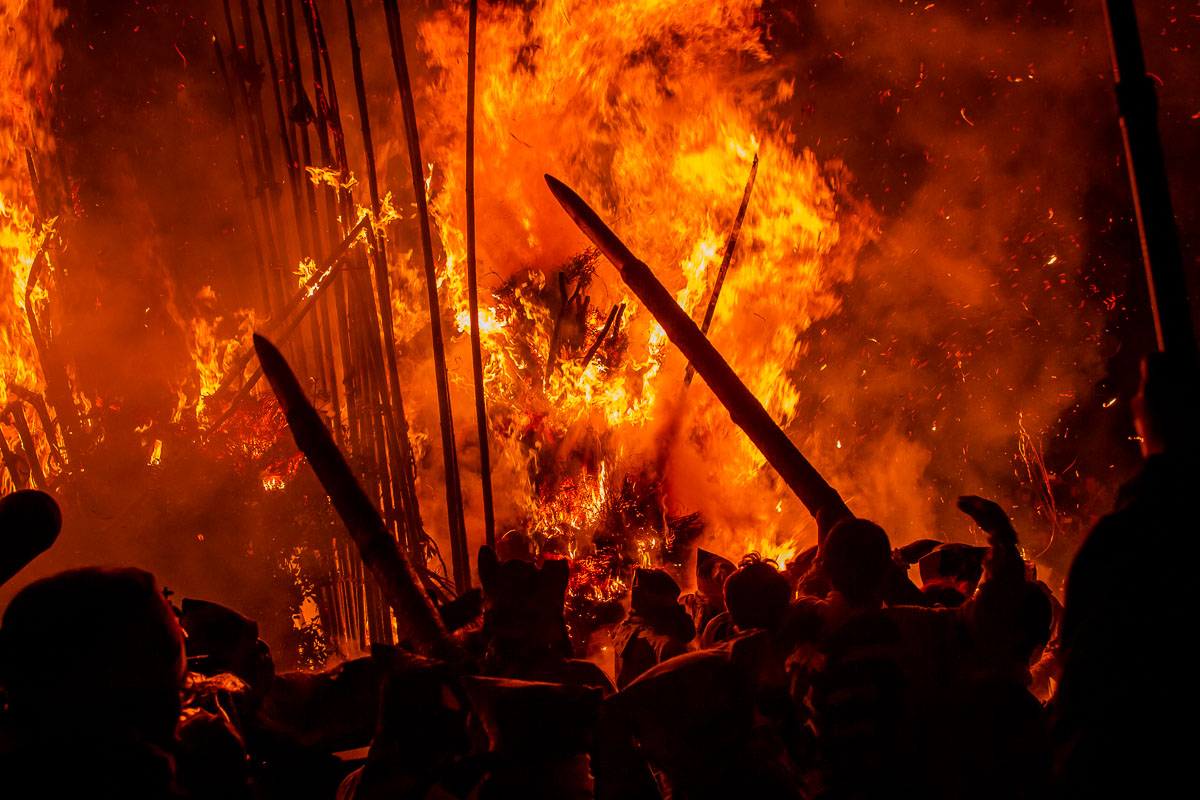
361,314
726,260
305,238
373,420
454,507
248,191
481,420
301,116
256,140
380,553
403,462
821,499
351,387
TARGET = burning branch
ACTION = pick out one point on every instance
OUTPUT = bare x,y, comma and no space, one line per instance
821,499
726,260
380,553
616,312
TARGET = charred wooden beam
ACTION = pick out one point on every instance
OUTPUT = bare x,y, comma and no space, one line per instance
38,404
58,387
821,499
380,553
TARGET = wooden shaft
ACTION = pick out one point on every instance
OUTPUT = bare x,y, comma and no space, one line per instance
380,553
743,407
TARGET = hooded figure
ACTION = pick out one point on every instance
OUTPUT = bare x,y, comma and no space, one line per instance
524,634
656,629
708,600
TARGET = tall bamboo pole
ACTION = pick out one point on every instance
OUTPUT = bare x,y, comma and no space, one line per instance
349,366
248,188
454,507
404,465
297,100
304,238
256,136
481,420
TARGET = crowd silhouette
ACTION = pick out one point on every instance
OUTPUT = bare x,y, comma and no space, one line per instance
839,678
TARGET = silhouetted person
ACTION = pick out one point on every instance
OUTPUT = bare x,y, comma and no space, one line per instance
524,633
708,600
91,661
656,629
921,701
756,597
1128,690
29,523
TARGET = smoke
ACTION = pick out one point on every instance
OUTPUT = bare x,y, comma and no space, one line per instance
937,274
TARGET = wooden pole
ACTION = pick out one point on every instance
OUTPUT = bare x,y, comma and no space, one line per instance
1137,103
821,499
380,552
454,507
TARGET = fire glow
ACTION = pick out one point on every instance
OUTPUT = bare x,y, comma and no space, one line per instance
653,111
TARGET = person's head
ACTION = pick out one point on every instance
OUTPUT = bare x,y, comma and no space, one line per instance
93,652
29,523
523,604
757,594
856,558
653,590
1164,409
712,571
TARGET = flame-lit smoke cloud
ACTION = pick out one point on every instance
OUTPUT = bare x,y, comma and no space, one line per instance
949,175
